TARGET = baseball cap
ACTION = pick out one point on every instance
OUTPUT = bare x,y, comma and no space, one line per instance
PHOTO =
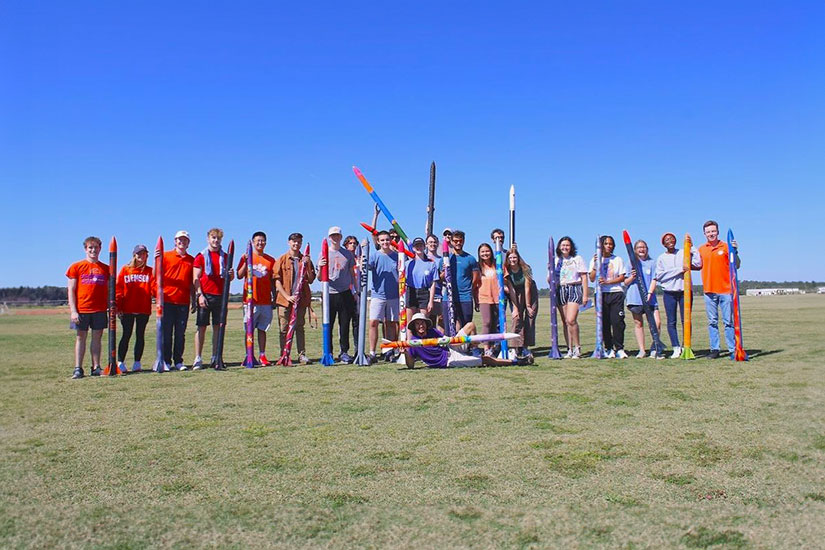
446,230
140,248
334,230
182,233
419,317
418,240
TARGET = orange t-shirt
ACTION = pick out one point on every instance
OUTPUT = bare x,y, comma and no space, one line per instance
177,278
263,267
488,291
92,285
135,286
715,268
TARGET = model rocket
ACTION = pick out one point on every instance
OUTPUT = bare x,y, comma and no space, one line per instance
739,353
656,344
553,282
447,309
249,360
687,352
361,355
286,354
512,215
380,203
111,368
159,365
218,363
502,299
326,359
598,352
448,340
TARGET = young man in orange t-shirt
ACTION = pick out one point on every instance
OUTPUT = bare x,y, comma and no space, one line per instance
88,288
263,269
715,266
178,295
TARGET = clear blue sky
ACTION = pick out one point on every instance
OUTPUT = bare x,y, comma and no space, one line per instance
140,119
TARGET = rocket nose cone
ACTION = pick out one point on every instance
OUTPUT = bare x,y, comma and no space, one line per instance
626,237
231,246
113,245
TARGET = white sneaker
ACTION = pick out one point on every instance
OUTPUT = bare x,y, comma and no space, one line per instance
197,364
136,367
577,353
677,352
569,354
122,367
180,366
642,354
610,355
654,354
621,354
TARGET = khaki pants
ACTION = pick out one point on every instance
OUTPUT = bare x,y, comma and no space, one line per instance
284,315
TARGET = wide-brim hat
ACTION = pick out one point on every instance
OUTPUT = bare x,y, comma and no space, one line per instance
419,317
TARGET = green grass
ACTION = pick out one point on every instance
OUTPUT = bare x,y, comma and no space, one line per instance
563,454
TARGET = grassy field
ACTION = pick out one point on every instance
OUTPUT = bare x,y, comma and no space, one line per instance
563,454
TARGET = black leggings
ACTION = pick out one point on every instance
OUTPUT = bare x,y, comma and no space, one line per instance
613,320
128,320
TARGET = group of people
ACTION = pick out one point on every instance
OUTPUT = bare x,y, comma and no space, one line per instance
195,285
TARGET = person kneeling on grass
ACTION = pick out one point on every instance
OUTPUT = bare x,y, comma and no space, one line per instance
421,327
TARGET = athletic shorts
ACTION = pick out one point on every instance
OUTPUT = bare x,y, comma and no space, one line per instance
383,310
417,298
213,309
463,312
95,321
638,310
261,317
457,359
569,293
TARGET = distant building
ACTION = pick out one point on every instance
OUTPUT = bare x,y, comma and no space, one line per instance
774,291
820,290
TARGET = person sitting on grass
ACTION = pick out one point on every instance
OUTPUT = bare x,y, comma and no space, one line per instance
421,327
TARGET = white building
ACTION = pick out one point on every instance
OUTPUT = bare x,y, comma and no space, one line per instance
772,291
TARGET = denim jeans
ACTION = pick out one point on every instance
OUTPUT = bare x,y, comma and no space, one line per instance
723,302
175,317
674,300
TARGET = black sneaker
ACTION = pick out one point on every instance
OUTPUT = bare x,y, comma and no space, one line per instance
372,358
714,354
78,373
388,356
345,358
97,371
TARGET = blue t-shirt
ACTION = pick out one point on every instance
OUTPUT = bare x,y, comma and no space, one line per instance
461,275
384,269
633,298
434,356
421,274
438,264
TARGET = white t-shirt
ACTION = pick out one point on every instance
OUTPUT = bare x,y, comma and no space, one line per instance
570,269
615,266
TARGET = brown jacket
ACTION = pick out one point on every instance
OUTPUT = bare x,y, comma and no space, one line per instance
283,272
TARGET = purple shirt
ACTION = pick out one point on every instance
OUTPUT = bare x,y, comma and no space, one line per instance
434,356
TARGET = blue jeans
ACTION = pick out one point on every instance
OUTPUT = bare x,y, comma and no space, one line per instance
674,299
175,317
723,302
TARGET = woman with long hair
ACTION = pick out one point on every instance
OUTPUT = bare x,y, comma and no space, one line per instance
519,281
133,293
571,292
488,292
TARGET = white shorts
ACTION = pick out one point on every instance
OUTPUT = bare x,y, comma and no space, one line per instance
383,310
261,317
457,359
